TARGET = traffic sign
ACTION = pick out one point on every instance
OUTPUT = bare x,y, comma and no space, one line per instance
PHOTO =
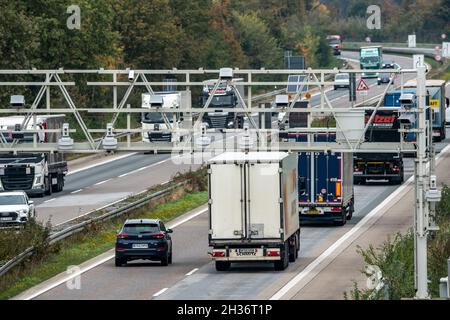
412,41
362,86
446,49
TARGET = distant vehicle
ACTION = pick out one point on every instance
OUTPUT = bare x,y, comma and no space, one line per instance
220,113
255,218
341,80
153,123
437,101
35,173
146,239
371,57
447,115
15,208
335,43
384,78
387,64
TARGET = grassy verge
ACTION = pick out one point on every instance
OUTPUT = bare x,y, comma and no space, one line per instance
94,241
395,258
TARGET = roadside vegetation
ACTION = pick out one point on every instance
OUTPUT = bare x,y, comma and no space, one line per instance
98,238
395,258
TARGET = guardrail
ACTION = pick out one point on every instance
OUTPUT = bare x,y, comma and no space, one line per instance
71,230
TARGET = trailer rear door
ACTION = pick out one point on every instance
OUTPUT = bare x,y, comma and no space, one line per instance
327,184
226,188
263,206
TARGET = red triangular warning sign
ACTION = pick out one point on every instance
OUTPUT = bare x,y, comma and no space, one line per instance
362,86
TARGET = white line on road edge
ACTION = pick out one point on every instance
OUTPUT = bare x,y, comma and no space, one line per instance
69,277
102,182
50,200
101,163
160,292
190,273
76,191
300,276
107,258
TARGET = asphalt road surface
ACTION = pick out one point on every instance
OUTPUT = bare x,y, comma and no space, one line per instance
192,275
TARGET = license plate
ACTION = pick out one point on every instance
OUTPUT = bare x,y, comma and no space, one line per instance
246,252
6,219
356,173
140,246
313,211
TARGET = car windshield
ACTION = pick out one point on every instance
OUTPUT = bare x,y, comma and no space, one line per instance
333,41
342,76
12,200
141,228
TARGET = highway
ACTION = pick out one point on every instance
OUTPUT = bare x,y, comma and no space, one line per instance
192,275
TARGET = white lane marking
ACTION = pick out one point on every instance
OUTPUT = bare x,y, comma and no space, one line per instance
160,292
188,218
124,175
304,273
102,182
101,163
190,273
106,259
50,200
68,278
144,168
76,191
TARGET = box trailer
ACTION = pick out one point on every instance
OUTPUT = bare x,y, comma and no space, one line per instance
253,201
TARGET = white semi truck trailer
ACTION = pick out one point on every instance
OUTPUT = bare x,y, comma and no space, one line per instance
253,208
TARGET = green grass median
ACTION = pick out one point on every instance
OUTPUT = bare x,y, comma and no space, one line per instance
88,244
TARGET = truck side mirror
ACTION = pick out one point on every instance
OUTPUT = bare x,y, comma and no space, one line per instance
447,102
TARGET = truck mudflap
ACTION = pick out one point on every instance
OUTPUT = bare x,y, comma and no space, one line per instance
246,254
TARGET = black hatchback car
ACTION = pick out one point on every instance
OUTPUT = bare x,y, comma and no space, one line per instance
146,239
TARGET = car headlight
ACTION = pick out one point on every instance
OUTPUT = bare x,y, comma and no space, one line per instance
38,179
22,211
379,79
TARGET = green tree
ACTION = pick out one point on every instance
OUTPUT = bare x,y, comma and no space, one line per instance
257,42
149,33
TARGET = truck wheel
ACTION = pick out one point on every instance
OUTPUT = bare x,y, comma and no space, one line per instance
283,263
351,209
58,186
48,189
223,265
293,248
342,221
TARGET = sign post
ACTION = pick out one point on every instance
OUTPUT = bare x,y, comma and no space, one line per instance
446,49
412,41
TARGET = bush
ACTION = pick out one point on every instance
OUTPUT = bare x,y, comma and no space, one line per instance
15,241
395,258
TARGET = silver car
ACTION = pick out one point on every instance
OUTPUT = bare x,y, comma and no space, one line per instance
341,80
